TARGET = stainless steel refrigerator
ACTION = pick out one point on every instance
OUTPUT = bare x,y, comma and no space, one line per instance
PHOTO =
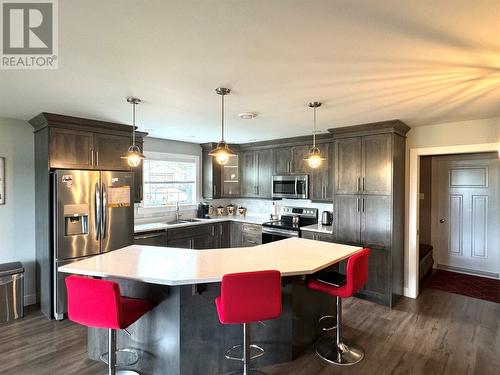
93,213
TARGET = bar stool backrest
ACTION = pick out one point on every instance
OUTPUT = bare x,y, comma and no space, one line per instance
357,271
250,296
93,302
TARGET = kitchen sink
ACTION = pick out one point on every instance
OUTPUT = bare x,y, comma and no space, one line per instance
182,221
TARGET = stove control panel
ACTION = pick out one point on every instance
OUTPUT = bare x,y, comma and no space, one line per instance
300,211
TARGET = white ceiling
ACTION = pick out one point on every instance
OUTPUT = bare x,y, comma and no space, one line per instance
421,61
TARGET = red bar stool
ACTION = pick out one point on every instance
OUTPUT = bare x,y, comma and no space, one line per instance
246,298
341,286
99,304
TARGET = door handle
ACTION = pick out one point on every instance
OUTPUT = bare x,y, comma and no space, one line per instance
97,158
296,182
442,220
363,204
363,184
92,157
357,204
97,211
357,184
104,212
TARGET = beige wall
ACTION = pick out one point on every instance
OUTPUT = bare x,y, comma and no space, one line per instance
448,134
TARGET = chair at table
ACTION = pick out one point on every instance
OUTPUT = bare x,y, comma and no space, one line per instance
246,298
98,303
342,286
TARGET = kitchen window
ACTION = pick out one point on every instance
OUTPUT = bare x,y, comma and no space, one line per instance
169,179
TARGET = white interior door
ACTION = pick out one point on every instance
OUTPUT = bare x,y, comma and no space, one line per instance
467,225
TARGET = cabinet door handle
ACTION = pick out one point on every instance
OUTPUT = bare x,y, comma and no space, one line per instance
363,184
363,204
97,158
92,157
358,183
215,189
357,204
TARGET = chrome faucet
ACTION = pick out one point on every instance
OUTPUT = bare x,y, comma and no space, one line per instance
177,213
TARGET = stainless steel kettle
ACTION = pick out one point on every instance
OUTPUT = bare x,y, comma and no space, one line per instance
326,218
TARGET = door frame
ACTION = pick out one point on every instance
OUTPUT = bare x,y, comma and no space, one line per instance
412,205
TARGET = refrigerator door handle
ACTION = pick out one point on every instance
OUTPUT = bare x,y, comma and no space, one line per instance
97,211
104,210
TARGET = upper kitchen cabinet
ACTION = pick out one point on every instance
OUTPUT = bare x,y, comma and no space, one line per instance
363,165
65,142
347,165
321,184
298,164
257,171
71,149
220,181
282,160
231,177
212,179
77,143
108,150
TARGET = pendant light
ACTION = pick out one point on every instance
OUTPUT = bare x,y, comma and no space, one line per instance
222,152
314,157
134,155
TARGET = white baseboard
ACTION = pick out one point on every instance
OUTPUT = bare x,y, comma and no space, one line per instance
30,299
407,293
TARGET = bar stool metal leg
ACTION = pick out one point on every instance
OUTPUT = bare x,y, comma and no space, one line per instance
112,356
338,352
247,354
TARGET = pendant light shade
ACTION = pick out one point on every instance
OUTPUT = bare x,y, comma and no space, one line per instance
222,152
134,155
314,158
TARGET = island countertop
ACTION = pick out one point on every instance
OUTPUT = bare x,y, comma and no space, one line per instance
173,266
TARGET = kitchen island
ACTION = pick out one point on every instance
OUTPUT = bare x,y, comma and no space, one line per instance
182,335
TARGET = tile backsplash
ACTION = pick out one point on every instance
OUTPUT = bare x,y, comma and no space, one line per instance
255,207
264,207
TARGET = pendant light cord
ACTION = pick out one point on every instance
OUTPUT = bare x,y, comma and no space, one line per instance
314,129
133,124
222,117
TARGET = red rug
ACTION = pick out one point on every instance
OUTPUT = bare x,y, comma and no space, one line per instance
466,285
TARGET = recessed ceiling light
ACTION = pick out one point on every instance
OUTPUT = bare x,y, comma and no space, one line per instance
247,115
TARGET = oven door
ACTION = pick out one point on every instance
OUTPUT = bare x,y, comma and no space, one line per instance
273,234
290,187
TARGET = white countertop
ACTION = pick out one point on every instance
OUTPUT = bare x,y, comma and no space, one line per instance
150,227
318,228
172,266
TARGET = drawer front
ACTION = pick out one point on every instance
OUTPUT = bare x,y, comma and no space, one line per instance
248,240
252,229
189,231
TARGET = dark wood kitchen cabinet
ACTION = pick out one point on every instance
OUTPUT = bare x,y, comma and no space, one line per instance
363,165
70,149
257,171
369,201
299,165
282,160
363,219
109,150
212,174
321,178
245,234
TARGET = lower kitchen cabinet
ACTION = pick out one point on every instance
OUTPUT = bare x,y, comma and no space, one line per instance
158,238
245,235
324,237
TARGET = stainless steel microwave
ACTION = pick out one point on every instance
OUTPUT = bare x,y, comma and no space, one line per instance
291,186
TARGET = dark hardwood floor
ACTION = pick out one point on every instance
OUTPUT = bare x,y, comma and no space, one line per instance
439,333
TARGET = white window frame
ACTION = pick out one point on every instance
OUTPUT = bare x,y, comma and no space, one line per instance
162,156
